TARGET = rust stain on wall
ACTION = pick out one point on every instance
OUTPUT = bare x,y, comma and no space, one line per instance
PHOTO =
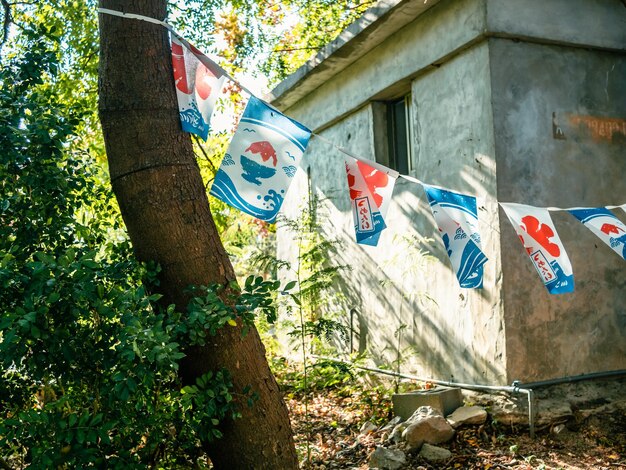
600,128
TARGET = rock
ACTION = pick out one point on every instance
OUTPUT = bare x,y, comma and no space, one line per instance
553,411
367,428
396,434
557,429
392,424
387,459
509,410
434,454
467,415
426,425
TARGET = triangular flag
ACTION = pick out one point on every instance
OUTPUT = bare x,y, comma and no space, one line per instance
537,233
370,193
605,225
457,219
197,88
261,161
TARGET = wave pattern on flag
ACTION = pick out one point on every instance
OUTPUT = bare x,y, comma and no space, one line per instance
197,89
537,233
605,225
370,193
457,219
261,161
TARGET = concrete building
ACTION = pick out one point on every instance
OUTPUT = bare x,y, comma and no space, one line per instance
510,100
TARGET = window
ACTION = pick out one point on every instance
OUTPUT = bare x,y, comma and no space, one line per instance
392,134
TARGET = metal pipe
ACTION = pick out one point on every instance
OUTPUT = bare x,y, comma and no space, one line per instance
574,378
497,388
352,313
531,410
516,387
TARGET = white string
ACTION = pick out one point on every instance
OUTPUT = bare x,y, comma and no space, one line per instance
378,166
213,65
566,209
133,16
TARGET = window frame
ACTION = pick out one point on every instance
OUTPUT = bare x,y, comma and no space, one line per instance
392,133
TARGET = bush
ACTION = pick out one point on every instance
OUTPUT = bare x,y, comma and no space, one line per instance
88,361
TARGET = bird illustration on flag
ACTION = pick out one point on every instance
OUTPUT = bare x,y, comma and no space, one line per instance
261,160
197,88
538,234
456,216
370,194
605,225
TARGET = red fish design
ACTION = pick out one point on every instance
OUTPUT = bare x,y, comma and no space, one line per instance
354,193
610,228
265,149
374,179
178,62
541,233
204,78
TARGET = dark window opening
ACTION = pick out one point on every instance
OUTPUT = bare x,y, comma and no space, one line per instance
398,135
392,134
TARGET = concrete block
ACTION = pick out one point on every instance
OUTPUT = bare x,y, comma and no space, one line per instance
443,399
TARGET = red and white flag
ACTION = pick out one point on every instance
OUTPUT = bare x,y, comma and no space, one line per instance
198,84
537,233
370,193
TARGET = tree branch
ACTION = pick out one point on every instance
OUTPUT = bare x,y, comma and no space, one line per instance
6,23
206,157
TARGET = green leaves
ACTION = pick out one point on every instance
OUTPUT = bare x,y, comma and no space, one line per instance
88,359
214,307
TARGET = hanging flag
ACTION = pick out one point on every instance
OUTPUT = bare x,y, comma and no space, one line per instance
261,161
197,88
605,225
370,193
537,233
457,220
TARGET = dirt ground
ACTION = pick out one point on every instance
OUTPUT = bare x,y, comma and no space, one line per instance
332,426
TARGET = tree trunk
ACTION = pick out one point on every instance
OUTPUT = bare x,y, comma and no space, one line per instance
163,202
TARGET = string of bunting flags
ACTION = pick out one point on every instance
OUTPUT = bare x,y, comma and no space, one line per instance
265,151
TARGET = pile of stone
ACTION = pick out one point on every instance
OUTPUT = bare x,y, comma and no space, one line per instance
420,433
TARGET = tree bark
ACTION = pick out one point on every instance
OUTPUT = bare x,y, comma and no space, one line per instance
162,199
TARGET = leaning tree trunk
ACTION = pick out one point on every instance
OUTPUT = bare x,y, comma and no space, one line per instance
163,202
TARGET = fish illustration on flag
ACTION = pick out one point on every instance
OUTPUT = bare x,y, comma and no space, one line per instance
370,193
605,225
261,161
537,233
457,219
197,88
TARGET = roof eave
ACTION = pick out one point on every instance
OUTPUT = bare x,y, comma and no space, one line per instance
372,28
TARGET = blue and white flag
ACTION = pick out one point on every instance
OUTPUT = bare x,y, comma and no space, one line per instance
457,219
605,225
261,161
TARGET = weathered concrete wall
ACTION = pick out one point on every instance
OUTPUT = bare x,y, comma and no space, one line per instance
454,146
560,126
482,124
585,23
407,280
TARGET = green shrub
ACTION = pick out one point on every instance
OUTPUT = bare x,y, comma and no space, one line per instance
88,361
